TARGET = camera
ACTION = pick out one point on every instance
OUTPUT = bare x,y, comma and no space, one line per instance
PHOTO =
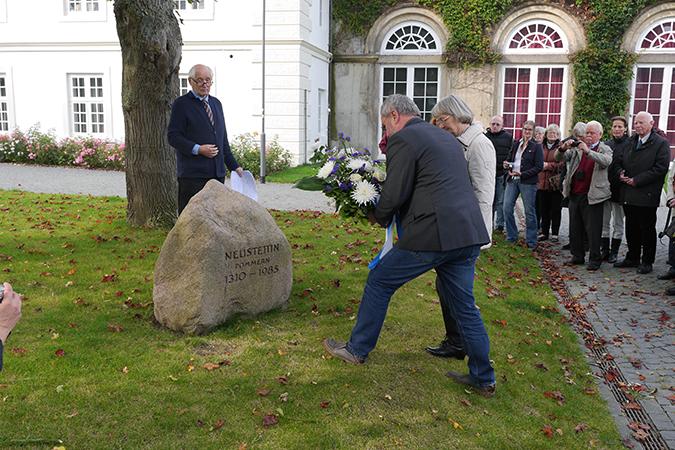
509,165
575,141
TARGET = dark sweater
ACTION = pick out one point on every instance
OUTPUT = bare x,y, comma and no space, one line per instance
502,143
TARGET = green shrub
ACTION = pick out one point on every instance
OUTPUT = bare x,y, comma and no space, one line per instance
246,150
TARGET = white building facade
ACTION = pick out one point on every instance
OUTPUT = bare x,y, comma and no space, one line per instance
61,66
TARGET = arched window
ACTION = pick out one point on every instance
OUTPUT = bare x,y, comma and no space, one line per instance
654,83
418,81
660,38
411,37
534,91
536,36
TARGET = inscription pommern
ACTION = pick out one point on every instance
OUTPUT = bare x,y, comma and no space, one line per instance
244,255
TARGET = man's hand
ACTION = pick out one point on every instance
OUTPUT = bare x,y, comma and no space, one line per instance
239,171
671,203
10,311
584,148
624,179
208,150
514,174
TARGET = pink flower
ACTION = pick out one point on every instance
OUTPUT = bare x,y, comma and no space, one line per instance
31,155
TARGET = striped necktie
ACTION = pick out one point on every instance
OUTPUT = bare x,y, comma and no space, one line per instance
209,113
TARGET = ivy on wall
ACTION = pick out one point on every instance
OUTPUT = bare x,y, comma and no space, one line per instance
602,71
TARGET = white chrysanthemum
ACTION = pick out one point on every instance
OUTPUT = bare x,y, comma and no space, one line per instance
364,192
326,170
357,163
355,178
379,174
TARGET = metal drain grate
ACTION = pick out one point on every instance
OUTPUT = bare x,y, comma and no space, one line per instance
653,439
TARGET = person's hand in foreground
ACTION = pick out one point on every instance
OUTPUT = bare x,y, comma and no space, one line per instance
10,311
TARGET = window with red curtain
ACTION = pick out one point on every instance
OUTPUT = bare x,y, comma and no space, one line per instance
532,93
654,91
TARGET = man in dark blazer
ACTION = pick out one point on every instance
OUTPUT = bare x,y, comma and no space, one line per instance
641,169
197,132
428,188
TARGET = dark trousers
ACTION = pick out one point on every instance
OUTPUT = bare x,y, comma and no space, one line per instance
640,233
451,331
585,219
549,208
189,187
671,253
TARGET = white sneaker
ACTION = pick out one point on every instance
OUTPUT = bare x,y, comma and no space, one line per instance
554,238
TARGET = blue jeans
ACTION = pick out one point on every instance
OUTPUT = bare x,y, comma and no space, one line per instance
455,270
498,202
529,194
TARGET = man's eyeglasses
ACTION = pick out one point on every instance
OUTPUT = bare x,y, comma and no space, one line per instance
528,129
200,81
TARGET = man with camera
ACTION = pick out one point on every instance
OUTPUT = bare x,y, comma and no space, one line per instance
641,170
587,187
10,313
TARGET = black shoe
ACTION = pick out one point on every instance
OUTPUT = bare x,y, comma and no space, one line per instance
612,257
644,268
542,237
614,251
574,261
566,246
604,252
447,349
485,391
670,291
593,265
500,229
668,275
627,263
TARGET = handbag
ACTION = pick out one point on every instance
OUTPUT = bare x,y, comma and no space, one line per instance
555,181
669,227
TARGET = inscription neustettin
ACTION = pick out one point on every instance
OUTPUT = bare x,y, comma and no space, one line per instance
252,251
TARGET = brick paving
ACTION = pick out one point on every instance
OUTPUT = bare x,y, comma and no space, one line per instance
634,317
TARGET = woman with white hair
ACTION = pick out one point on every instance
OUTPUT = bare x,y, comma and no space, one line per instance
454,115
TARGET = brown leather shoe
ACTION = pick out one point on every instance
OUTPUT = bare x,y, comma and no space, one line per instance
485,391
339,350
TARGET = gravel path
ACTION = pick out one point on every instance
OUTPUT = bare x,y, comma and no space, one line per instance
66,180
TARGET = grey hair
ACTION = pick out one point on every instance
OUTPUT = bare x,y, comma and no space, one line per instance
529,122
596,124
579,129
650,118
193,70
400,103
455,107
541,130
553,127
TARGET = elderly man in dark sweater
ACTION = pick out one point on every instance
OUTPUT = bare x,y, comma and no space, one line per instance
502,142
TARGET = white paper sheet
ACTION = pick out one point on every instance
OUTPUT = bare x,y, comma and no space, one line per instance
244,185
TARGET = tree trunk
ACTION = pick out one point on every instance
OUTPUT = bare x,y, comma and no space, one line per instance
151,51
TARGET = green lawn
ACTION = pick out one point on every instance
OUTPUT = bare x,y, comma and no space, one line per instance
87,365
293,174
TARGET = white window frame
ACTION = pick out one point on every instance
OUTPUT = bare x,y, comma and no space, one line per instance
544,51
532,94
7,100
89,100
410,82
665,93
205,13
85,16
181,89
437,51
643,35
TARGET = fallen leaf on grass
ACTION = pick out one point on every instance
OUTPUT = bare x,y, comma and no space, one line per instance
60,353
324,404
555,395
547,430
125,369
108,278
541,366
269,420
465,402
211,366
455,425
282,379
263,392
115,328
72,414
19,351
217,425
580,427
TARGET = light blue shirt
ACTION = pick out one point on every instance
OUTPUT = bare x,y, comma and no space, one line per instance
195,149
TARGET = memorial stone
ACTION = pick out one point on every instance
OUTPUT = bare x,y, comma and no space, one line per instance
225,256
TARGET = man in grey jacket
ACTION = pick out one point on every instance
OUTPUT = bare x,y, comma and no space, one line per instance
587,187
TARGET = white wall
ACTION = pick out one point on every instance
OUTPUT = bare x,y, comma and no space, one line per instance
225,35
